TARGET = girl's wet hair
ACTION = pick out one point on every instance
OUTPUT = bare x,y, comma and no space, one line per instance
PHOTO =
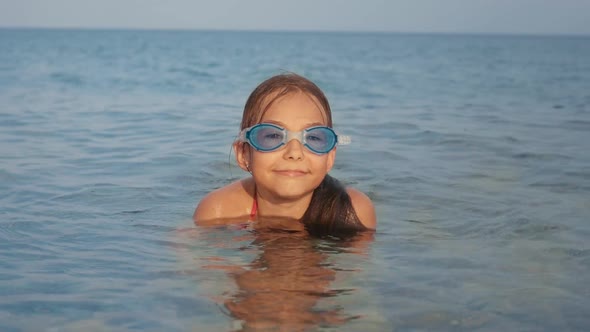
267,92
330,211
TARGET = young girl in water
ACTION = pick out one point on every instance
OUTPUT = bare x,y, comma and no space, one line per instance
288,146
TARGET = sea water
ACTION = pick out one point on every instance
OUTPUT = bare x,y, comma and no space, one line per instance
473,148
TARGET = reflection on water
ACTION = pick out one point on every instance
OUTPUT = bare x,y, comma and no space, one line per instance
289,284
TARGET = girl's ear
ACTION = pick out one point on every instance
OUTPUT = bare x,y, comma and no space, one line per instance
242,153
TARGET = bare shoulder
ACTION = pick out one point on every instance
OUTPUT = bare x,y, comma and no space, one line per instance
364,208
231,201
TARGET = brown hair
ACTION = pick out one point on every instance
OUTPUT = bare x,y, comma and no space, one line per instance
276,87
330,211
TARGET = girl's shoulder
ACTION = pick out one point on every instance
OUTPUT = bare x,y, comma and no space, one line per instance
231,201
363,207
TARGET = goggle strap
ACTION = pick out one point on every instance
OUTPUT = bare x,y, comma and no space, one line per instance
344,140
243,133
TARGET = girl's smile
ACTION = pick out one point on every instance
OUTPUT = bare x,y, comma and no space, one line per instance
291,172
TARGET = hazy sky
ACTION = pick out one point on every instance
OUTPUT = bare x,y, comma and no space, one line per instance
470,16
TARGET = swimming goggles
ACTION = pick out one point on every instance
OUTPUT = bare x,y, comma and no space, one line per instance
268,137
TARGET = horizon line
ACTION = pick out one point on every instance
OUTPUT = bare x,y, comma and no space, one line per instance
268,30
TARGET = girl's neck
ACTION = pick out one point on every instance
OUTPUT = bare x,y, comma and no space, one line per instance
286,208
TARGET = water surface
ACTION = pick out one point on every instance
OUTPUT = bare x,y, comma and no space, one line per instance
474,150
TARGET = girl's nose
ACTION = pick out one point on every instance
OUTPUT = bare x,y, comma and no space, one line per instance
293,150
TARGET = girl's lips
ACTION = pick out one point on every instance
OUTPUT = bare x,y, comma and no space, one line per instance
290,172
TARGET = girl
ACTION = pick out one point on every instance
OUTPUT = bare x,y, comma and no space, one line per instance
287,144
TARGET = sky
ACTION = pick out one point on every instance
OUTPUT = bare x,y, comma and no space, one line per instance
422,16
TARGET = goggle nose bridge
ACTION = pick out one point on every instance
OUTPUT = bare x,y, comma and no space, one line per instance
297,135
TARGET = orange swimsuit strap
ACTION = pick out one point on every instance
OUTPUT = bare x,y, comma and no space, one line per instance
254,206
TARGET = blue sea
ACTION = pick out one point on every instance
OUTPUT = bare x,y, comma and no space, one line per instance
475,150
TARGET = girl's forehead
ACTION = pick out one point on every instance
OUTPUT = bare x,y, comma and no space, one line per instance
295,107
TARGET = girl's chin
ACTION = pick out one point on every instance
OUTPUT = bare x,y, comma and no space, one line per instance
291,194
290,188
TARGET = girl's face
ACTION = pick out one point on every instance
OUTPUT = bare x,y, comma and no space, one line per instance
292,171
